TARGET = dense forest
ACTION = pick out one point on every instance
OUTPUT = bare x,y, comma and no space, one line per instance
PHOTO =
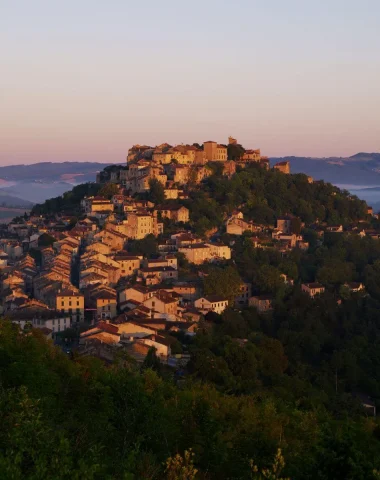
264,195
67,418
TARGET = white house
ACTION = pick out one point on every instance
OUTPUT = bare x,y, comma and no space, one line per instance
313,289
214,303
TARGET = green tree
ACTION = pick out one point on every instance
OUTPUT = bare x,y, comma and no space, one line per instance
109,190
46,240
181,467
69,202
151,361
235,152
289,268
372,279
233,324
344,292
37,255
268,278
225,282
182,261
335,272
156,191
198,145
296,225
272,358
271,473
146,246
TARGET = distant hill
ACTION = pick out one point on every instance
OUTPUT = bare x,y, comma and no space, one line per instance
52,171
12,201
40,181
359,169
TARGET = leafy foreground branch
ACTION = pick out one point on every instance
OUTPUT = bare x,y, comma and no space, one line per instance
272,473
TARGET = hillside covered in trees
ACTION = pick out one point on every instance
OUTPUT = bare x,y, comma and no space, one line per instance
69,202
263,195
75,418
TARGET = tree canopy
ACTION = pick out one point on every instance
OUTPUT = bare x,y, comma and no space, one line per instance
109,190
265,195
69,202
156,191
79,418
223,281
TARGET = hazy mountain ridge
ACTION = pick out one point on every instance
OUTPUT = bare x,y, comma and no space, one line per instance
22,184
359,169
26,184
51,171
11,200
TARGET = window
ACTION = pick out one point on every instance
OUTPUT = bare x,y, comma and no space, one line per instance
69,304
62,303
77,303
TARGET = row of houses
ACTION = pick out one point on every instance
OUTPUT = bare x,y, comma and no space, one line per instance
190,154
43,296
178,166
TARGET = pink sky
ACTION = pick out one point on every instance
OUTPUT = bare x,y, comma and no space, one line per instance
83,82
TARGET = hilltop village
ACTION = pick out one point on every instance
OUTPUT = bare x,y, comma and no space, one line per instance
130,264
194,309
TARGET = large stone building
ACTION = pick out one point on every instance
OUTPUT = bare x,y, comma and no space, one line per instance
205,252
138,151
139,225
102,300
212,303
236,225
215,152
93,205
70,302
251,156
177,213
263,303
129,264
181,154
283,167
181,174
284,224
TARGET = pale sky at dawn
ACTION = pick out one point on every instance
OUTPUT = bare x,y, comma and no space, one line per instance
83,80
